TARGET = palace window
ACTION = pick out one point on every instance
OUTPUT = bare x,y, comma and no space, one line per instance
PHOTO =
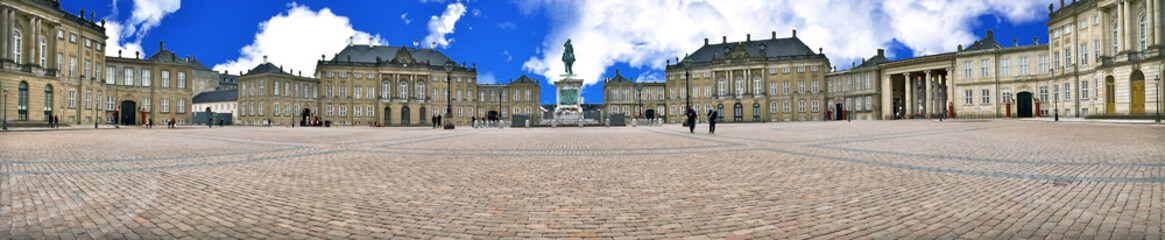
986,96
1143,33
421,90
404,90
968,97
869,103
1043,93
1084,54
359,92
756,85
1084,89
110,75
786,106
72,99
801,106
43,48
1005,67
1067,91
815,86
17,39
1115,37
983,66
801,86
1023,66
165,79
785,87
772,107
1043,64
181,105
722,88
739,87
816,106
165,104
967,69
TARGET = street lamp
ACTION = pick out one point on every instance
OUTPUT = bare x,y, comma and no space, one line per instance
1055,97
500,98
448,86
1158,80
687,83
639,111
5,108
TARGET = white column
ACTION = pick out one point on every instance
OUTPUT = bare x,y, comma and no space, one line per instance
1152,15
950,83
928,93
908,105
1125,29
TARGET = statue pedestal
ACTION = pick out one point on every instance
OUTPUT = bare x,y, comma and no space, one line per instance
569,107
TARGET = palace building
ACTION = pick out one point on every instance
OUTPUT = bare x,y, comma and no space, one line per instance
635,100
51,63
157,88
769,80
855,93
269,95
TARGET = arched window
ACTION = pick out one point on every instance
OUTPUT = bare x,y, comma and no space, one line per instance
1144,32
43,49
1115,38
16,41
722,87
404,91
421,92
385,90
22,101
48,100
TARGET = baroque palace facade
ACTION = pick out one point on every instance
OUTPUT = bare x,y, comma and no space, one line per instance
776,79
374,85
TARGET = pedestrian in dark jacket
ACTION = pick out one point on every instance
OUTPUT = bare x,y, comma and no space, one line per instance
712,115
691,120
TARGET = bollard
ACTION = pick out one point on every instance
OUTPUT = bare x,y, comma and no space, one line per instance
527,123
634,121
608,122
554,123
580,123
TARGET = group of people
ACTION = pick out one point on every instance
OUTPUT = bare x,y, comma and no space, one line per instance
436,120
54,122
712,117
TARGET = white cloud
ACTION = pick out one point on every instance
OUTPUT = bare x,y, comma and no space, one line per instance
646,33
296,39
439,26
486,78
146,15
648,76
405,18
507,54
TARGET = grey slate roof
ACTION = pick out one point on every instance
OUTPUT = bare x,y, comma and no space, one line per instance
779,47
266,68
165,56
199,66
987,43
619,78
217,96
876,60
366,54
523,79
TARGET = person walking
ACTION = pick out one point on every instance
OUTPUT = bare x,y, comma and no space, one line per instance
712,116
439,121
691,120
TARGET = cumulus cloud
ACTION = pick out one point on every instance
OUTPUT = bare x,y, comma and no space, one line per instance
296,39
440,26
405,17
507,54
146,15
487,78
646,33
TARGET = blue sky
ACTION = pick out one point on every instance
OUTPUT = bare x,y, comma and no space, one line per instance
509,38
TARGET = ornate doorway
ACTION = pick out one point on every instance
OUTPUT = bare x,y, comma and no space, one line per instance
1023,104
128,113
1137,92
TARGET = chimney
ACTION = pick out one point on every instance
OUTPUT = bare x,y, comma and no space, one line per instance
350,40
1015,42
748,37
821,50
119,53
774,34
82,15
137,54
264,58
852,64
195,58
960,47
416,44
794,33
705,41
616,72
881,52
991,34
725,39
1036,40
370,42
161,45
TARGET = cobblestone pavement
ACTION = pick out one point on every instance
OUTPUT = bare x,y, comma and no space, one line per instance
872,179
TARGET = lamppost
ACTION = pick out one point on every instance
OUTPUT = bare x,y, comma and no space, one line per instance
1056,98
639,111
1158,80
5,108
500,98
687,83
448,86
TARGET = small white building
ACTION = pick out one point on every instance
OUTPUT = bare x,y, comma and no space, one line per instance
221,101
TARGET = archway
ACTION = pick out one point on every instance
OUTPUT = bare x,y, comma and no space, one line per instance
304,117
650,114
1137,92
404,116
1109,95
1023,105
128,113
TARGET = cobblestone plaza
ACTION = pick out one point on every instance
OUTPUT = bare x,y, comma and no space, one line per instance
998,179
